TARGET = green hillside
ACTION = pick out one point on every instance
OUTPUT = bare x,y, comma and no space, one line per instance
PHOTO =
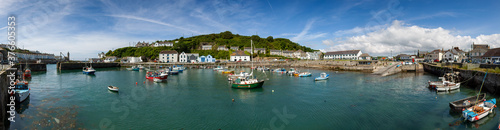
192,44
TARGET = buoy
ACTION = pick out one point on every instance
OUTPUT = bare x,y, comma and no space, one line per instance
233,99
273,91
135,82
144,82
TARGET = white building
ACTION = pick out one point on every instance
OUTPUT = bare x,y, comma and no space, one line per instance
275,52
236,48
109,59
210,58
169,56
163,44
287,53
450,56
434,55
183,57
133,59
206,47
259,50
239,56
348,54
101,55
365,56
313,55
222,48
247,49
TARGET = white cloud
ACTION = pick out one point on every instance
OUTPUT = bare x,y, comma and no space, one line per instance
399,37
304,34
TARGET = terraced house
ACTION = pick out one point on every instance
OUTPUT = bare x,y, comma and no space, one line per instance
348,54
169,56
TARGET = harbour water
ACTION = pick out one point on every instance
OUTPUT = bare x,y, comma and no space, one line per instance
202,99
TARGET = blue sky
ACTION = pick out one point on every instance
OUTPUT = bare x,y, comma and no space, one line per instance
87,27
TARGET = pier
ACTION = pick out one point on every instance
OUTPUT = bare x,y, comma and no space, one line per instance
80,65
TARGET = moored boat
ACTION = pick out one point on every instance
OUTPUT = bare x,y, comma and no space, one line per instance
247,83
228,72
133,68
113,88
447,86
305,74
88,70
461,104
27,73
155,75
158,80
479,110
22,90
322,76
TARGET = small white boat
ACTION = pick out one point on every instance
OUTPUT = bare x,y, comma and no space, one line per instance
447,86
22,90
322,76
113,88
88,70
305,74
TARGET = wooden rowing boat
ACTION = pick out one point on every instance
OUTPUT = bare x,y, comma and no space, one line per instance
461,104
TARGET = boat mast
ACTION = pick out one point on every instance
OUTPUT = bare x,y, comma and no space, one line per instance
251,54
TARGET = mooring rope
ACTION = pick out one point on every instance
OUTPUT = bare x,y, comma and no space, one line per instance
470,77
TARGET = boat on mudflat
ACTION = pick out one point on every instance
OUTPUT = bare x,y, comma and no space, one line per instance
479,111
461,104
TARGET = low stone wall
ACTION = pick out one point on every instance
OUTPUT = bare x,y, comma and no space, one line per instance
470,77
489,66
70,66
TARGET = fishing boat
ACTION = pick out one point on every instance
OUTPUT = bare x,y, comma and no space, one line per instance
113,88
88,70
432,84
27,73
280,70
140,67
22,90
155,75
228,72
248,82
218,68
461,104
235,76
158,80
133,68
291,71
178,68
479,110
447,86
305,74
322,76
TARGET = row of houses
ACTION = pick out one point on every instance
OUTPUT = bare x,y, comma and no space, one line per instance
478,52
172,56
347,54
156,44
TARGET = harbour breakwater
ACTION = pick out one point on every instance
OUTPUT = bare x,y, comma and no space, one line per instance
470,78
32,66
70,66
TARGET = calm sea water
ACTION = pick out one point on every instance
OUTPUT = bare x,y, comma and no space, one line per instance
202,99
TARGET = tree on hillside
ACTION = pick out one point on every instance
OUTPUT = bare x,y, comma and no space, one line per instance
270,39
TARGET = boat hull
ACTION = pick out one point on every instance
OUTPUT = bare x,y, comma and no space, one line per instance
448,87
157,77
459,106
88,72
22,95
248,86
320,78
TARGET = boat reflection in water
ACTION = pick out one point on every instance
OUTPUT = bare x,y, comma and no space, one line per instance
21,107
